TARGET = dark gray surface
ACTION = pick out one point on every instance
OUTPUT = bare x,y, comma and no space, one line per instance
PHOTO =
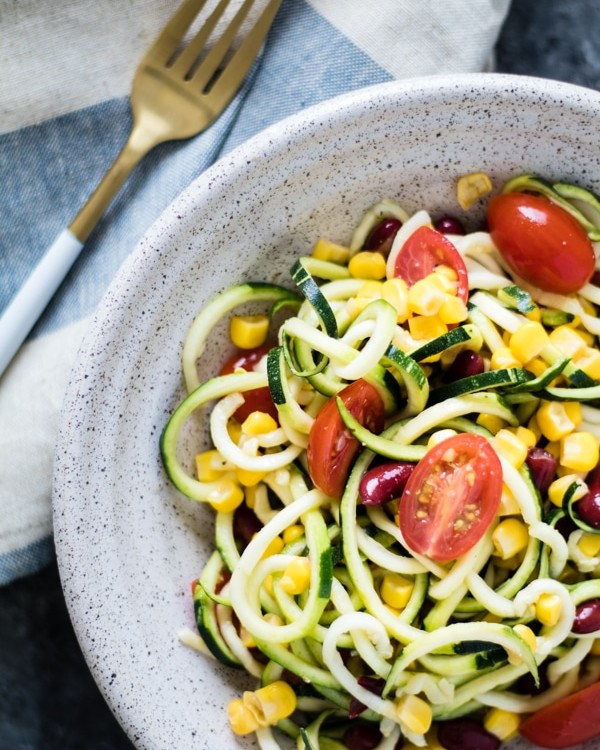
47,697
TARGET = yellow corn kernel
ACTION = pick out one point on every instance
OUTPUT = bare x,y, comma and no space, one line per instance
425,296
447,272
510,537
526,436
527,634
443,281
395,292
248,478
559,487
535,314
414,713
589,362
268,585
241,718
274,547
548,609
471,187
509,505
453,310
535,428
250,496
371,290
553,447
367,265
568,341
426,327
258,423
226,495
579,451
292,533
491,422
528,340
271,703
573,411
588,307
248,331
595,650
510,447
504,357
331,251
395,590
296,577
234,430
439,435
356,305
502,724
553,420
247,638
537,366
589,544
209,466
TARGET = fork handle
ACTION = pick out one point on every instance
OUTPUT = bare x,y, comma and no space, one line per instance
29,302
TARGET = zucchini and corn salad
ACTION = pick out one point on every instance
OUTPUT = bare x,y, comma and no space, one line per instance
405,480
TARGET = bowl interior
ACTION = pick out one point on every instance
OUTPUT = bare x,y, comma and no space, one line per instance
128,544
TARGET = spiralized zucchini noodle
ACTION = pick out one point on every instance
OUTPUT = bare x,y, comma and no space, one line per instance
405,537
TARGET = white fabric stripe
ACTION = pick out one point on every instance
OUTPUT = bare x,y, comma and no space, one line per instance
414,39
30,398
43,73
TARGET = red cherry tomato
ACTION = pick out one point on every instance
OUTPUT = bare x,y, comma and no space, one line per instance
423,251
331,447
451,497
541,242
567,722
258,399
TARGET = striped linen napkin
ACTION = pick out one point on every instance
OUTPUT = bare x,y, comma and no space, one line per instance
64,114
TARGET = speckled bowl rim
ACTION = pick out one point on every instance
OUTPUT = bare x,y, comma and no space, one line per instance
84,519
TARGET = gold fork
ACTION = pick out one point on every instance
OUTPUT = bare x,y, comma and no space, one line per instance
177,92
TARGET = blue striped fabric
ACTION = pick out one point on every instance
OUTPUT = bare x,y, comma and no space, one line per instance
47,171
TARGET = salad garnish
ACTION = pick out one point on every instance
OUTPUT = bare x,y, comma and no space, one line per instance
405,475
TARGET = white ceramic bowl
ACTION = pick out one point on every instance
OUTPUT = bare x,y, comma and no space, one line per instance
128,544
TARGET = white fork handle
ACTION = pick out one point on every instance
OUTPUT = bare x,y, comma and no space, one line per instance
29,302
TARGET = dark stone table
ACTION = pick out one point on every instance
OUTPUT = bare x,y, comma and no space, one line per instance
48,698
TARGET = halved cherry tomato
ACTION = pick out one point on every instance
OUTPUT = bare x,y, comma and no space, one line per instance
331,447
567,722
258,399
451,497
423,251
541,242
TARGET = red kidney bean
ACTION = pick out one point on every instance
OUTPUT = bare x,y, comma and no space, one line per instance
588,508
382,235
466,734
384,482
245,524
449,225
374,684
587,617
362,737
466,364
565,526
542,465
